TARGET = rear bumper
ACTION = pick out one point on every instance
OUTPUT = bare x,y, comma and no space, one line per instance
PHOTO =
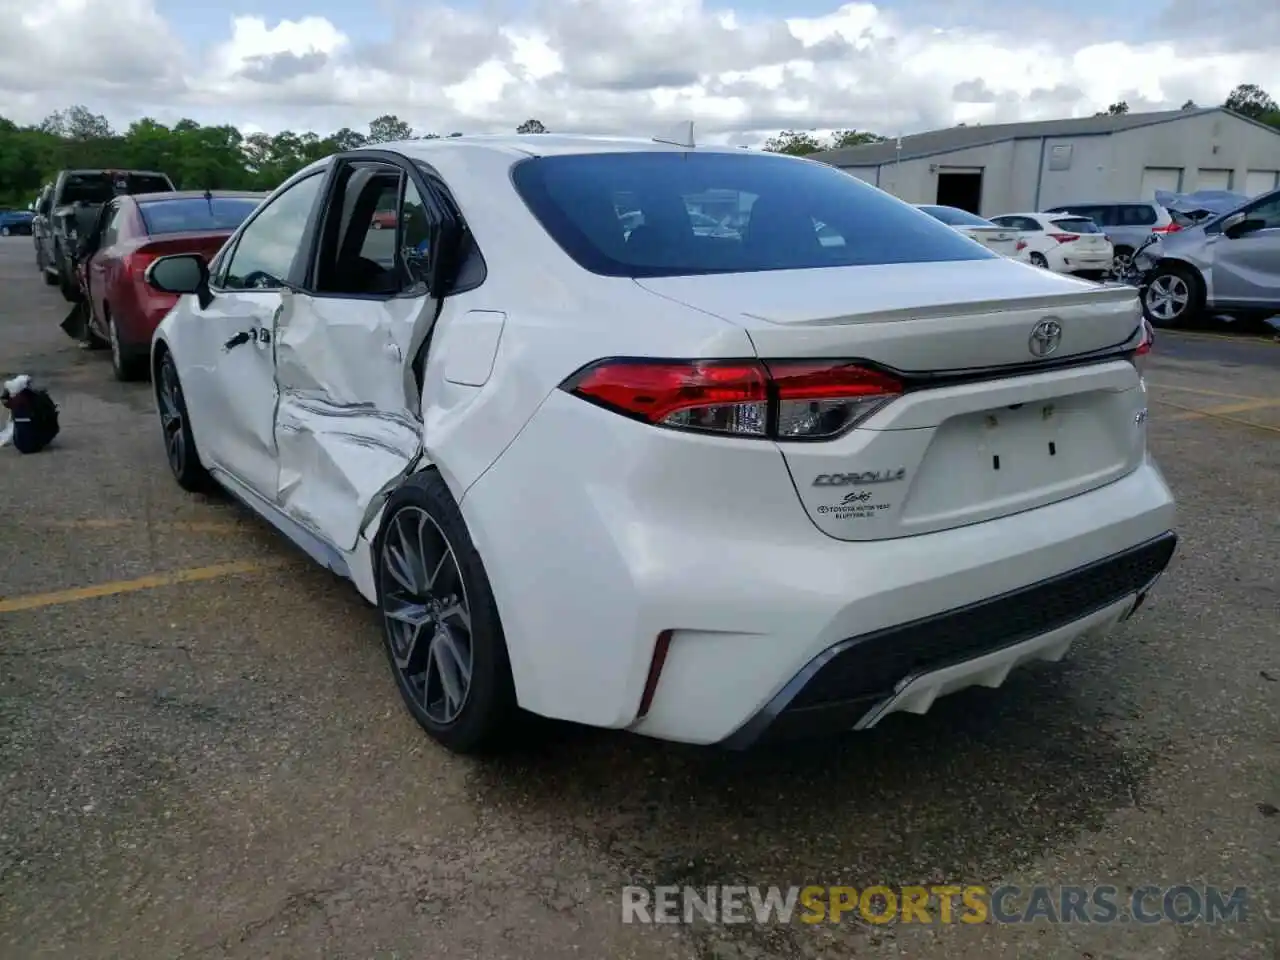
856,682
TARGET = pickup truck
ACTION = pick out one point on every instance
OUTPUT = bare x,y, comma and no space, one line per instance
74,204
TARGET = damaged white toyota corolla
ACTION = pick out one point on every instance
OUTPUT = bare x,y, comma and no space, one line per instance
822,461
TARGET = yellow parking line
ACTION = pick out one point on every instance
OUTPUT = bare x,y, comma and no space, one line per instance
1218,416
1202,392
1237,337
150,582
1228,408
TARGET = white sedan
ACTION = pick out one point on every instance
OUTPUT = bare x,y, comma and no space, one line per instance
1061,242
991,235
708,489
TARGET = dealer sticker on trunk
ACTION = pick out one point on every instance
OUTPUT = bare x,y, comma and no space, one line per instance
854,506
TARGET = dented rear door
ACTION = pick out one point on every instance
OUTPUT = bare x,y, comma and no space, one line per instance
348,420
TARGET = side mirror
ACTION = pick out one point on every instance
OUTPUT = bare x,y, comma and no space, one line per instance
181,273
1238,224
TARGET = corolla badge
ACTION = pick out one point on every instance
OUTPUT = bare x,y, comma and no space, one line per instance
850,479
1045,338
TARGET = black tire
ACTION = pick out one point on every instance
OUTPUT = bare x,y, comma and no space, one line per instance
485,720
70,292
127,363
1039,260
186,468
50,276
1159,309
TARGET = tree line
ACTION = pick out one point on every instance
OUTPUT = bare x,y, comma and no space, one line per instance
194,156
223,158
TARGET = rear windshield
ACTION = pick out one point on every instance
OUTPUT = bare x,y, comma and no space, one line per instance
101,187
1076,224
656,214
954,217
196,213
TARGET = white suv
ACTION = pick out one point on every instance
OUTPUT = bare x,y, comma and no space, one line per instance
705,487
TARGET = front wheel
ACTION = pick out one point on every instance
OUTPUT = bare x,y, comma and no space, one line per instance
440,623
179,442
1172,296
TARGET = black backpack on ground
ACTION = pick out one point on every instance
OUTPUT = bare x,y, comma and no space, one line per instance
35,418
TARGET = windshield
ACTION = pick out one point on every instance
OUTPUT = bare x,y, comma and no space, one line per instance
955,217
101,187
1076,224
649,214
196,213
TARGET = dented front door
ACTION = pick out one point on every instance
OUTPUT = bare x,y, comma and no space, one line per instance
347,421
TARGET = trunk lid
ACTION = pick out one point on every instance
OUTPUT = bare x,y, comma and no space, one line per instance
1001,240
207,243
969,440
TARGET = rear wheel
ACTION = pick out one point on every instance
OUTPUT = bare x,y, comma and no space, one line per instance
1040,260
179,443
440,623
1173,296
126,363
66,282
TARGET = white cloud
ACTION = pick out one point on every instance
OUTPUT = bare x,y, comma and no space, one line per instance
626,65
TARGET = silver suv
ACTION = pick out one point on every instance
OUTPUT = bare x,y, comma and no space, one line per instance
1127,224
1227,264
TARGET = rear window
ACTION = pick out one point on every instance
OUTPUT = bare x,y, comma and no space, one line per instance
655,214
955,217
1076,224
101,187
196,213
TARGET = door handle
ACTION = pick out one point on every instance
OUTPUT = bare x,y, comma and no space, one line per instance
253,334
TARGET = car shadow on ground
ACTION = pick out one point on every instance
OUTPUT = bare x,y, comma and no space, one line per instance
1035,762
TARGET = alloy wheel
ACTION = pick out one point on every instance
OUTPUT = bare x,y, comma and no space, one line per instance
1167,297
427,614
1121,263
172,420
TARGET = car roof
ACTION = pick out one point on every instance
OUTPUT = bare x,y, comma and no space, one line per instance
1104,203
199,195
519,146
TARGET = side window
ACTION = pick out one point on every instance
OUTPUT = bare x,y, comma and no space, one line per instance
1268,211
1138,215
1010,222
267,246
414,232
111,230
358,242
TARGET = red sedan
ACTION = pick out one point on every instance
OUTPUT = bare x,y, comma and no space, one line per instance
123,310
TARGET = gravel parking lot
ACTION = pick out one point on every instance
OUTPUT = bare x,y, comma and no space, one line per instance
202,752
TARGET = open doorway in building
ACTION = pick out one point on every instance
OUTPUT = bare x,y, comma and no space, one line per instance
961,188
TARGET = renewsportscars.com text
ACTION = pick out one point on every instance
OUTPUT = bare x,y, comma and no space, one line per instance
941,903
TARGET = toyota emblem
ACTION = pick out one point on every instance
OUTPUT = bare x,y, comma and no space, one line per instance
1045,338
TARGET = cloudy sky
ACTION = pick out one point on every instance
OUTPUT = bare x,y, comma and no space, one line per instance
742,69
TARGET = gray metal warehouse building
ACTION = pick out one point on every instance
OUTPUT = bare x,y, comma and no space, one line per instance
1012,167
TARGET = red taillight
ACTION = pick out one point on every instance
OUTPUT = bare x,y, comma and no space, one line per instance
1065,237
782,399
1147,342
1021,245
1170,228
